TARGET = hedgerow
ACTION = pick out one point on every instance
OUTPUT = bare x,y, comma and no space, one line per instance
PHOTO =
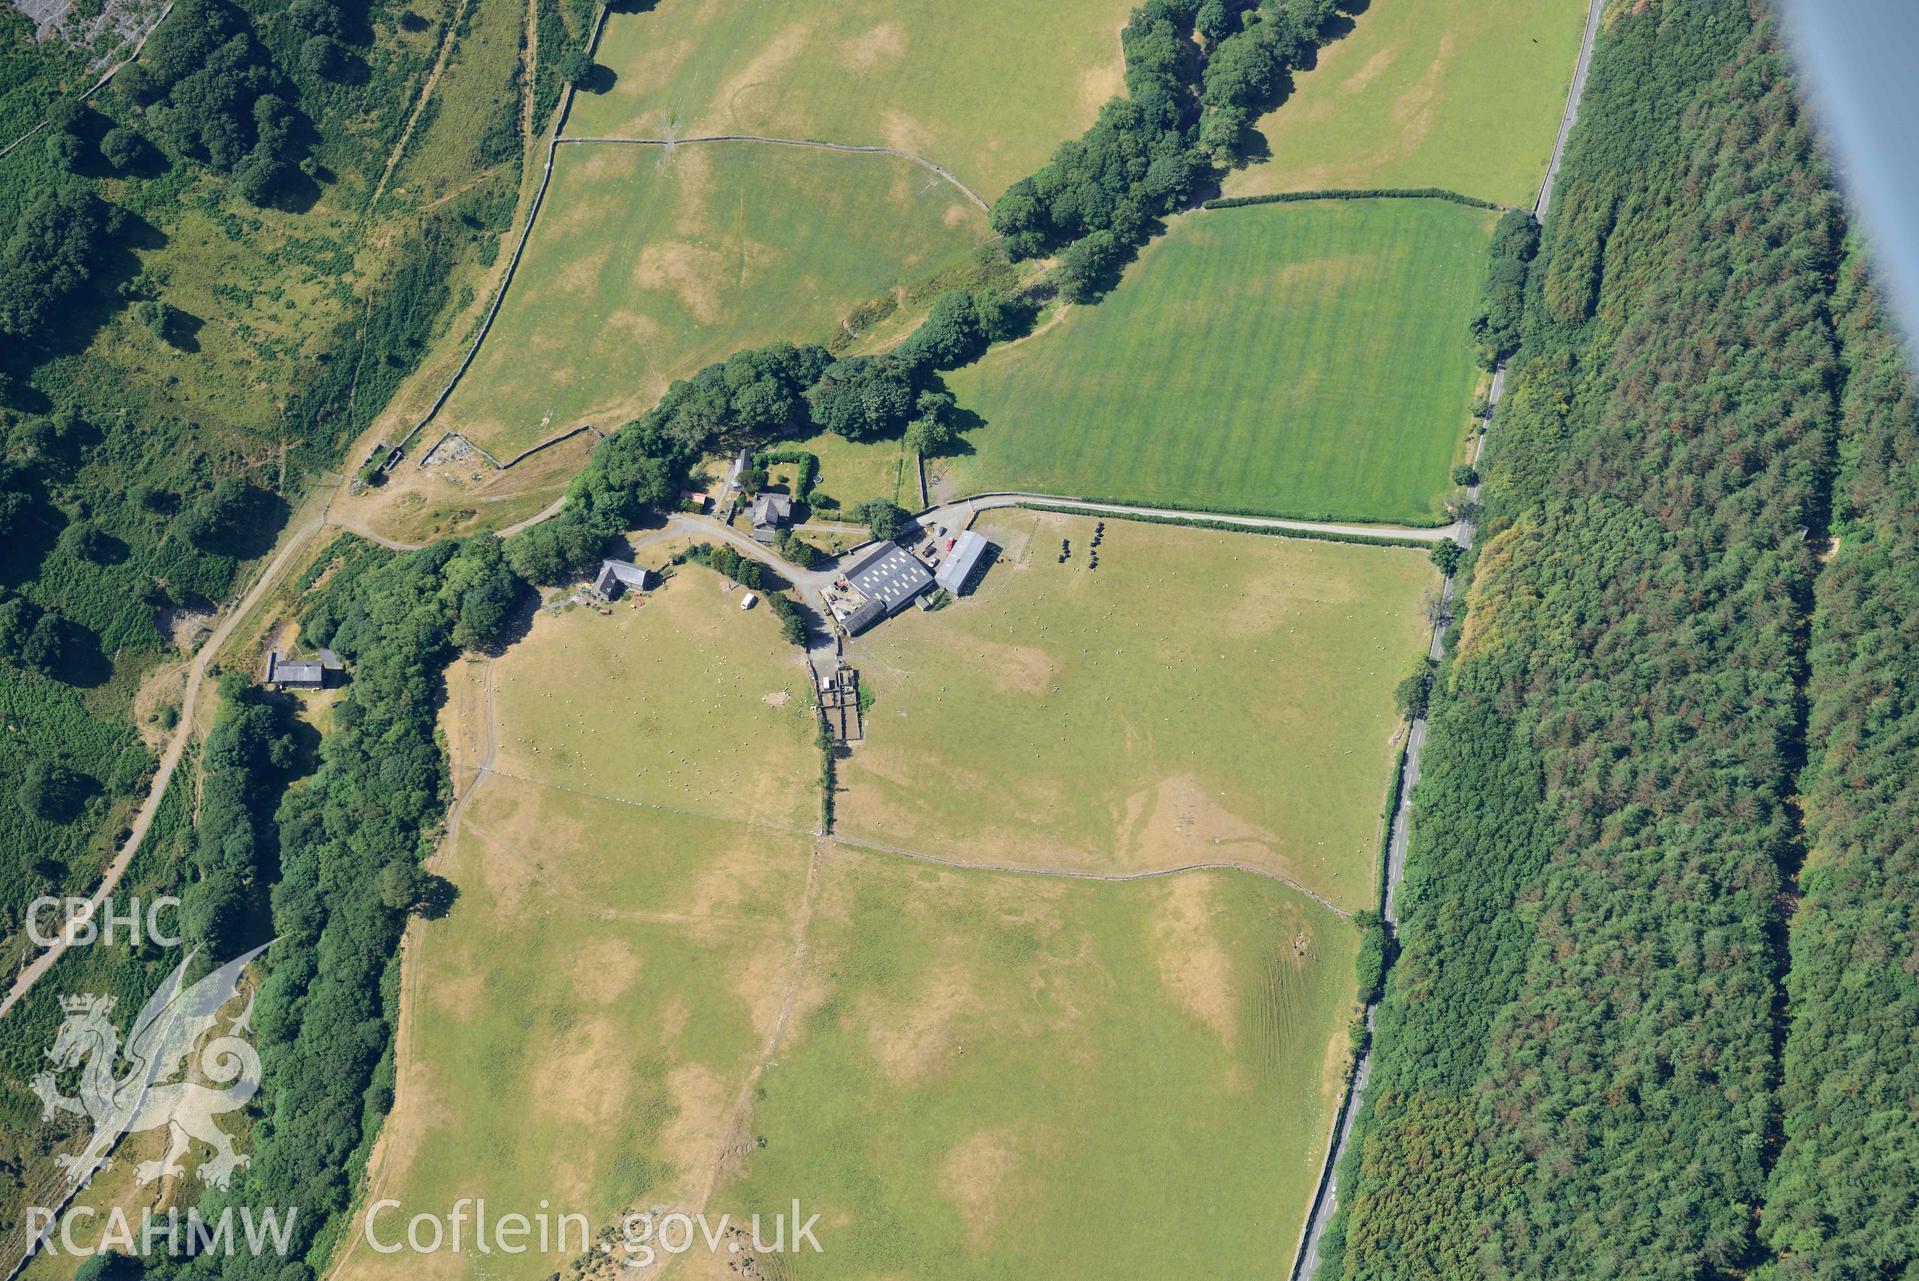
1352,193
1196,76
351,841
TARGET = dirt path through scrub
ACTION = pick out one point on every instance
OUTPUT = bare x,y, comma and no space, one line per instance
426,92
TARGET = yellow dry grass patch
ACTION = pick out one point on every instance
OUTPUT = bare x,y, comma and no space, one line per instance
648,263
977,1176
884,43
465,720
579,1025
991,86
1410,96
1201,697
580,1028
1193,965
1003,1075
664,703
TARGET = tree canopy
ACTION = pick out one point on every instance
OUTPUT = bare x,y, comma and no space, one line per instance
50,256
1578,1066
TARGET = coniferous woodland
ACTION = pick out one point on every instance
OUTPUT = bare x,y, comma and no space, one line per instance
1611,1047
1843,1200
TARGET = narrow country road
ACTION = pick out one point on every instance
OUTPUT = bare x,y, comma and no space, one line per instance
810,584
959,512
956,514
292,543
1082,874
1306,1261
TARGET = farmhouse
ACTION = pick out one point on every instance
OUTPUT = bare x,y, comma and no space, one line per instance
770,514
284,673
967,552
617,575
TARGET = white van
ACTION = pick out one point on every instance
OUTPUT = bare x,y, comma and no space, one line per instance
748,601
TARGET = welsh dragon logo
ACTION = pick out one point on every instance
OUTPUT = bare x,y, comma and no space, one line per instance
127,1089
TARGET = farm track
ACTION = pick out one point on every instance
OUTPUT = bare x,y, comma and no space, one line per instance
1307,1258
293,543
815,144
169,759
1081,874
560,139
960,511
405,1027
519,245
658,807
300,537
735,1138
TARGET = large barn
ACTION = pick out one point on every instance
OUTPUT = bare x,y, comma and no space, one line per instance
968,550
890,575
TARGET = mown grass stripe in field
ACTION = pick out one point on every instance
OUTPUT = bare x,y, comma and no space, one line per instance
1306,360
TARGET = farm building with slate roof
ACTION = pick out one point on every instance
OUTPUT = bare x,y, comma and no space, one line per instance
890,575
617,574
864,617
770,511
284,673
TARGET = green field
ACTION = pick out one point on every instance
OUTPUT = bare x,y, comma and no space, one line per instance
1004,1076
685,702
1199,697
851,472
474,122
1463,94
646,265
1304,359
987,89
